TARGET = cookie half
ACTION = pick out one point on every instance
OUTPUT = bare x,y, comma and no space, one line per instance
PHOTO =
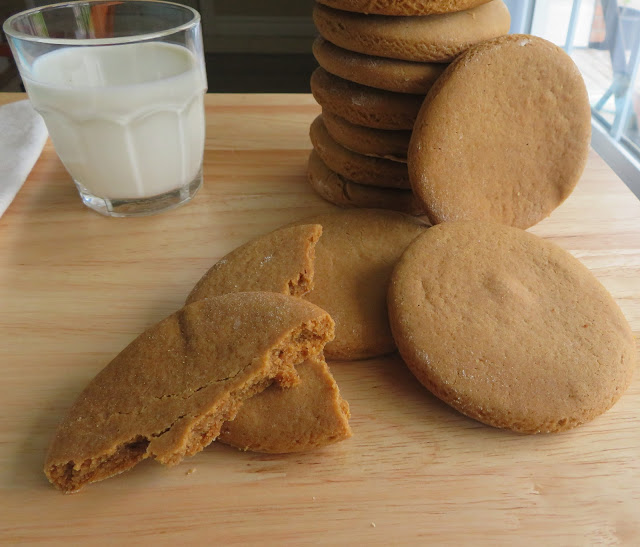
512,153
412,7
309,415
359,168
281,261
365,105
167,394
383,143
430,38
508,328
345,193
354,259
390,74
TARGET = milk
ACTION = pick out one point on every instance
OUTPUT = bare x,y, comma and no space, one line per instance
127,120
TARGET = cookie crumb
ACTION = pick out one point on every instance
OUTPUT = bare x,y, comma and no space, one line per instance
191,471
373,525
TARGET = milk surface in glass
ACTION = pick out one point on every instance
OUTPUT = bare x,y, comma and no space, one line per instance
126,120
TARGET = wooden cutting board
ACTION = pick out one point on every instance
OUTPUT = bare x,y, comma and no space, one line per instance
76,287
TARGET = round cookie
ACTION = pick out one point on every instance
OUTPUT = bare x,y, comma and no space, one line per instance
303,417
509,328
365,105
362,169
412,7
390,74
431,38
345,193
383,143
354,259
512,153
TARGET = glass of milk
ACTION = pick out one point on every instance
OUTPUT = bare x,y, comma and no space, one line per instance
120,85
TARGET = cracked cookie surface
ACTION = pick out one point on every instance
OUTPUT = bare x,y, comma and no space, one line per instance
167,394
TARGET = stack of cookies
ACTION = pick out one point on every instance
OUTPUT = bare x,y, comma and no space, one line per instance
377,62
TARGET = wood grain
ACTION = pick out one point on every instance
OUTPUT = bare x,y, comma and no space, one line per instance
76,287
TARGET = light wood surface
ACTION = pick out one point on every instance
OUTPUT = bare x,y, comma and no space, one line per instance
76,287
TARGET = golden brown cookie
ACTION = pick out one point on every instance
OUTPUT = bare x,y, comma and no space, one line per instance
410,7
308,415
430,38
354,259
508,328
167,394
345,193
281,261
512,153
365,105
383,143
359,168
390,74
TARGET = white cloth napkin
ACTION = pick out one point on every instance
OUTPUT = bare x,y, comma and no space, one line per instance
22,137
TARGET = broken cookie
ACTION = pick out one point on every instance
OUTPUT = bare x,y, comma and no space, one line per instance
167,394
312,413
308,415
281,261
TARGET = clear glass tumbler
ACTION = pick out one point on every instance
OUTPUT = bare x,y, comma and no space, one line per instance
120,85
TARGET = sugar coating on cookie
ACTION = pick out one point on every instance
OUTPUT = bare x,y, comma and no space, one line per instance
365,105
509,328
359,168
382,143
309,415
345,193
354,260
167,394
432,38
280,261
379,72
503,135
410,7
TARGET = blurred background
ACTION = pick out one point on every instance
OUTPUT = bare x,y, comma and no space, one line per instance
253,46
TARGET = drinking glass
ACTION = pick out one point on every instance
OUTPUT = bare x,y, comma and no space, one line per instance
120,85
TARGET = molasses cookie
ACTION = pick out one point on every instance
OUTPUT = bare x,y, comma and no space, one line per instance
511,153
167,394
410,7
364,105
359,168
383,143
281,261
429,38
306,416
345,193
354,259
390,74
509,328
